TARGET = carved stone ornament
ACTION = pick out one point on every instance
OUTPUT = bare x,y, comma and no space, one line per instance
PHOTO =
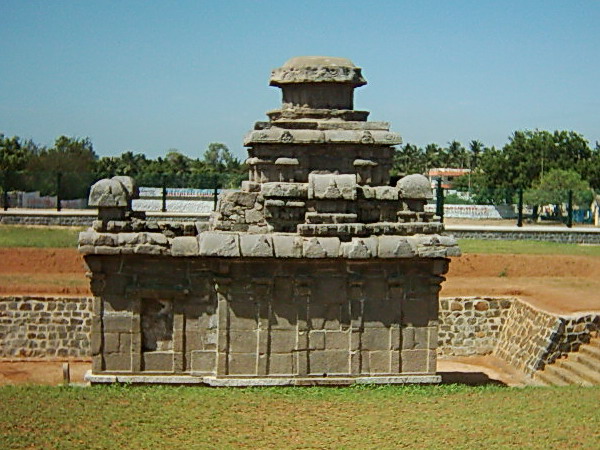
367,138
317,69
287,137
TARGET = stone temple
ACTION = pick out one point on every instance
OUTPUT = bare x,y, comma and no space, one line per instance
316,272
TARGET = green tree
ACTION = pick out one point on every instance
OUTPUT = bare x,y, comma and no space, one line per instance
456,155
553,188
476,148
408,159
14,156
530,154
218,158
70,164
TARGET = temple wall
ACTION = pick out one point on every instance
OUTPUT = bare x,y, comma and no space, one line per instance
265,317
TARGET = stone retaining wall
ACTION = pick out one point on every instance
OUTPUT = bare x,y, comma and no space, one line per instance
532,338
66,220
514,331
471,326
45,326
83,219
566,236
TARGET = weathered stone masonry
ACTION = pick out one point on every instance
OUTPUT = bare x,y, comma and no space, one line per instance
48,327
471,325
532,338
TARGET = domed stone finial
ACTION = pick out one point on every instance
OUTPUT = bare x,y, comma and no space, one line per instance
318,82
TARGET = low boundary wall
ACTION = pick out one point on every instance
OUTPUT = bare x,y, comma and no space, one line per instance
51,327
84,218
582,235
525,337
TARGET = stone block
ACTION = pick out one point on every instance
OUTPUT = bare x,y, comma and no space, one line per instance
158,361
125,343
375,339
111,342
415,361
184,246
239,320
250,186
283,341
256,245
415,338
317,218
332,187
117,323
203,362
243,341
105,250
254,216
129,239
329,362
242,364
117,362
379,362
219,244
322,247
360,248
87,237
278,189
395,247
337,340
368,192
281,364
148,249
386,193
153,239
316,340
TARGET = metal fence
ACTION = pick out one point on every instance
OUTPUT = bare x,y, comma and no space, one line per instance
567,206
58,190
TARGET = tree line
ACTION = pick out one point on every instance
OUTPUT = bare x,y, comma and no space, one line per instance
539,162
531,160
71,165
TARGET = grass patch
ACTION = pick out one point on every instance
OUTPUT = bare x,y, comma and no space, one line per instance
447,416
40,237
53,280
526,247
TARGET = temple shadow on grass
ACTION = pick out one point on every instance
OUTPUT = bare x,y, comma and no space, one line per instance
469,378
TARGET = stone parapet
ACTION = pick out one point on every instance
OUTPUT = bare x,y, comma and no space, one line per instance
233,245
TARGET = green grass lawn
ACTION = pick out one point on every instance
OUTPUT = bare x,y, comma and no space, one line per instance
448,416
526,247
40,237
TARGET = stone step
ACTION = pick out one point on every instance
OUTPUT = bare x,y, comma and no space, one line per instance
548,379
591,361
595,342
566,375
584,372
590,352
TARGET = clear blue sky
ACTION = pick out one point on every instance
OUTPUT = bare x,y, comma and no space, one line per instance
147,76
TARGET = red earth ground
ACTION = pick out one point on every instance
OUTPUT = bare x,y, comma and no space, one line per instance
555,283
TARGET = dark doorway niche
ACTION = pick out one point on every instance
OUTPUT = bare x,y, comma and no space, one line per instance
157,325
